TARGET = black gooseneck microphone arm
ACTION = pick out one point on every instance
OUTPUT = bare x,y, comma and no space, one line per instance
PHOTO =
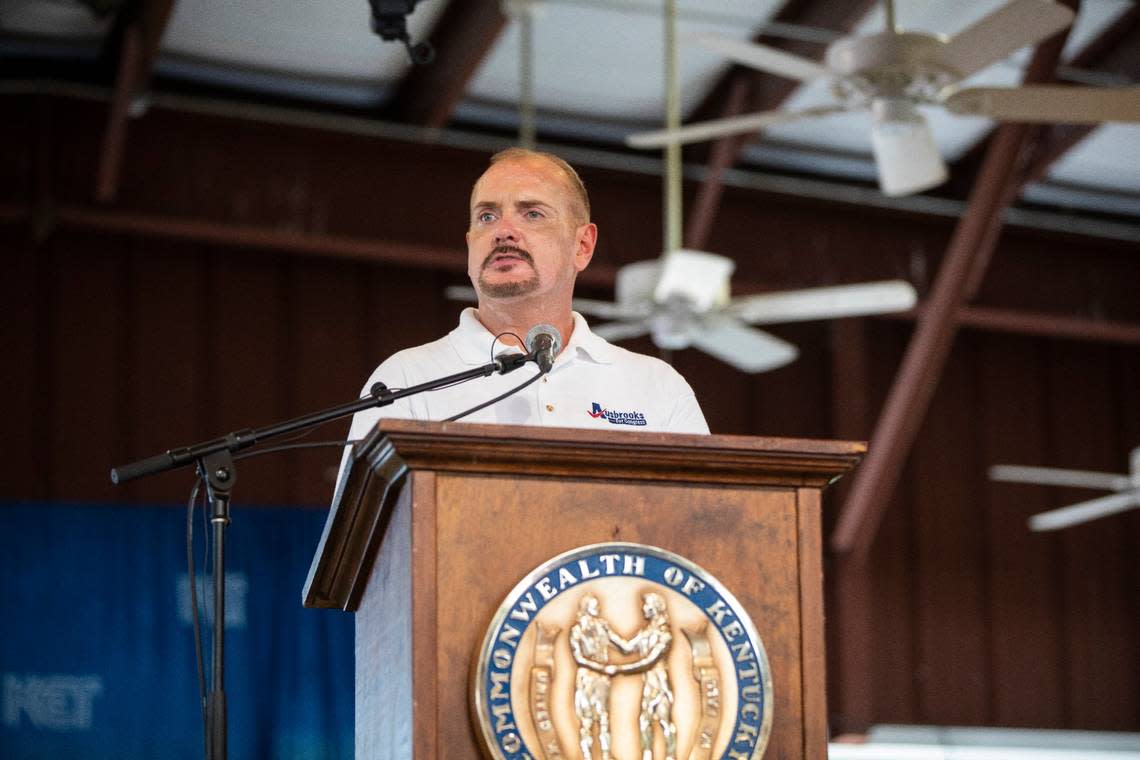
215,464
243,439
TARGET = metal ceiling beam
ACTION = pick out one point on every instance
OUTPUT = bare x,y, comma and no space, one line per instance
929,347
138,50
743,90
1036,323
462,37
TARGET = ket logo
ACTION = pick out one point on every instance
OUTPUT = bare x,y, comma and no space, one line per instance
620,651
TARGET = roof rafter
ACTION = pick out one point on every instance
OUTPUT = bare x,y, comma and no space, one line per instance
929,348
143,24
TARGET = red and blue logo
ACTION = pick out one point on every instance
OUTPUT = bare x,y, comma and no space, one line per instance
616,418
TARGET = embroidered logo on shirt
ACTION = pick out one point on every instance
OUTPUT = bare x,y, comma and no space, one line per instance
616,418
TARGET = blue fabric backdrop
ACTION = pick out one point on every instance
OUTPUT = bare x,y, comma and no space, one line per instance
96,656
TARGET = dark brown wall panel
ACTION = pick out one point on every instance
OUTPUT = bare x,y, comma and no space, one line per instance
164,306
125,344
87,385
1127,376
325,358
1022,594
249,372
951,569
24,469
896,687
1099,630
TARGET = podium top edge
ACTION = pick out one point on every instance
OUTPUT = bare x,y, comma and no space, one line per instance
687,457
398,429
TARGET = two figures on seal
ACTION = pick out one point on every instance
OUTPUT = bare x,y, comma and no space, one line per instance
591,642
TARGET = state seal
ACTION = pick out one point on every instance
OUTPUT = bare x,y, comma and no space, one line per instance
622,650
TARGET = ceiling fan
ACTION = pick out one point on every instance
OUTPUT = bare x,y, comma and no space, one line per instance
1126,488
893,72
682,299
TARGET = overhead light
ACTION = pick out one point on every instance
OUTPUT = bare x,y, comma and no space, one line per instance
905,153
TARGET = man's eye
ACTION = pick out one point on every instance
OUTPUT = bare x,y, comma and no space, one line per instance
533,214
486,216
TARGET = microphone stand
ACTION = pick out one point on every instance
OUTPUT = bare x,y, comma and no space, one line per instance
215,464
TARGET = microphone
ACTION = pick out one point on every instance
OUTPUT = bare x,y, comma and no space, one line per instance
544,341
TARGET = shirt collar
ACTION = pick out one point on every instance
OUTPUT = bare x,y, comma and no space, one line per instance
584,341
472,341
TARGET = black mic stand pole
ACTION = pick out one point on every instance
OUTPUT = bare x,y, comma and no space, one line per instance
217,470
214,460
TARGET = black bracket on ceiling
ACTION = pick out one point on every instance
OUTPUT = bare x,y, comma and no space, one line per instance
389,20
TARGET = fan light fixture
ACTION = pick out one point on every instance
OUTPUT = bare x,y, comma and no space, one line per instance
697,277
905,152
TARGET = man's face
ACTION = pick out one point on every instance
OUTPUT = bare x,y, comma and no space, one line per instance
526,237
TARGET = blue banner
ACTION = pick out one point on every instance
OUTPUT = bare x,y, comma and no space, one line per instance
97,655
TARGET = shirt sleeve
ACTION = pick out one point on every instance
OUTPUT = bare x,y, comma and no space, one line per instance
394,375
687,416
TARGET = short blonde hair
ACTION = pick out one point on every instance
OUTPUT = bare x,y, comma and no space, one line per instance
572,179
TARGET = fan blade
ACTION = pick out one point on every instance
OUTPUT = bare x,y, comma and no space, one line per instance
1052,476
461,293
1001,33
762,57
635,282
1085,511
615,331
731,125
607,310
832,302
1049,103
747,349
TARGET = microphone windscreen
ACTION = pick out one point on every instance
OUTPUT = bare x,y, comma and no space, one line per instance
544,329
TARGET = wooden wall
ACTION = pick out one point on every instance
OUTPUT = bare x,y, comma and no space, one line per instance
120,344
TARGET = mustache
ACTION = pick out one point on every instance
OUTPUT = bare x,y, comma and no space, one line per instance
524,255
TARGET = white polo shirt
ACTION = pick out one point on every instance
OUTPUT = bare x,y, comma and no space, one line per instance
592,384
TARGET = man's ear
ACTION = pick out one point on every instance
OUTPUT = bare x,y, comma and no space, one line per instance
586,240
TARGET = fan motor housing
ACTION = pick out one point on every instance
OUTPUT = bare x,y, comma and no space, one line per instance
890,64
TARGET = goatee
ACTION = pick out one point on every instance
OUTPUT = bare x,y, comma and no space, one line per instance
508,289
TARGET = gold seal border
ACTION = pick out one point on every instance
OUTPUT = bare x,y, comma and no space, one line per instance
481,710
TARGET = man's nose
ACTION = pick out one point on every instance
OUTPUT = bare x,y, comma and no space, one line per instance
504,232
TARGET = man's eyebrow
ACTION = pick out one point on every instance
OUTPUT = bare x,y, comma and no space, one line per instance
527,203
480,205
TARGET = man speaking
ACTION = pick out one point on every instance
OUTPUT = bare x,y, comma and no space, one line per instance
529,235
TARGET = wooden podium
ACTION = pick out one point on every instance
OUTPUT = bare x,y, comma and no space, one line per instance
437,522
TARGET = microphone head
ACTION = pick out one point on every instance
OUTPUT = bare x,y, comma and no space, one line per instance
550,331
